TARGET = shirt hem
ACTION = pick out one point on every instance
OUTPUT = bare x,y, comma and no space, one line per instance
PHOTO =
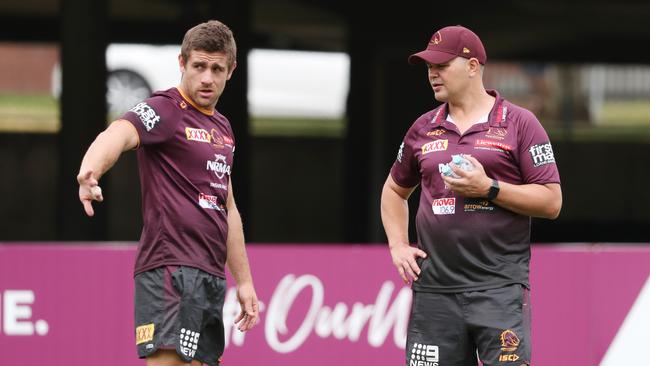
466,288
212,271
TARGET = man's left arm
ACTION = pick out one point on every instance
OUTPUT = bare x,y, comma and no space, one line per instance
237,261
536,200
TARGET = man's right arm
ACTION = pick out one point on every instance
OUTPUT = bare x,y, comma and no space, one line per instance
395,217
120,136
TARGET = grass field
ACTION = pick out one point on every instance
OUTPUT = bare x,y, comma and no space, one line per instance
628,121
29,113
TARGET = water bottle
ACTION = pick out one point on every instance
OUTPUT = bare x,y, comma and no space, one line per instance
462,162
446,170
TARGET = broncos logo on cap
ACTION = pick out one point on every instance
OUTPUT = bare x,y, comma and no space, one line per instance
437,38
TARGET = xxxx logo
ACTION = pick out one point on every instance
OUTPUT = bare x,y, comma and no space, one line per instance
438,145
144,333
197,134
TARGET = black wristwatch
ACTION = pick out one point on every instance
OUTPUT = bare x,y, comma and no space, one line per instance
494,190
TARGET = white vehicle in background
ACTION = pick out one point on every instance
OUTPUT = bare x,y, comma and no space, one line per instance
281,83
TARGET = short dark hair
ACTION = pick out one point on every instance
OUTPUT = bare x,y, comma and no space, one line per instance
211,36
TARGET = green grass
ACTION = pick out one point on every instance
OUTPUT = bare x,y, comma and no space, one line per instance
29,113
293,127
629,121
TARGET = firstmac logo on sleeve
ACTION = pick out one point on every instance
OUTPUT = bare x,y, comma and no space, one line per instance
542,154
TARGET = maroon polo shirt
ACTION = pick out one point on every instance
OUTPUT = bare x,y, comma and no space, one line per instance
473,244
185,158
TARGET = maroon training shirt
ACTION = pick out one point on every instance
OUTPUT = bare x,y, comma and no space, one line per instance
185,158
473,244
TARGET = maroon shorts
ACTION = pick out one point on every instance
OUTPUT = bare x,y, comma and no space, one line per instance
180,308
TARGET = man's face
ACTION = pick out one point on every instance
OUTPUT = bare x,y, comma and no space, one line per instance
204,76
449,79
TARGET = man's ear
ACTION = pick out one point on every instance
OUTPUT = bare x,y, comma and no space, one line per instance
181,63
232,68
473,66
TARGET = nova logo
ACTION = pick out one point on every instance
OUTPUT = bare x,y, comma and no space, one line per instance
438,145
444,206
424,355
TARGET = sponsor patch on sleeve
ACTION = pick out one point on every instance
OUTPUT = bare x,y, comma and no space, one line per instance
542,154
144,333
147,115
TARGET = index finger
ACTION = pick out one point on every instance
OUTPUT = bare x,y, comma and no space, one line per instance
88,207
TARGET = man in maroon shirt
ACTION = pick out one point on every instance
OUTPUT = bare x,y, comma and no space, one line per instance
192,227
470,269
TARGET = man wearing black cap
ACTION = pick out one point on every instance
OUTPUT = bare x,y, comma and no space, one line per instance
470,269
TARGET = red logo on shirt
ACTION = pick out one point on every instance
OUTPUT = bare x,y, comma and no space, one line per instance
210,202
492,145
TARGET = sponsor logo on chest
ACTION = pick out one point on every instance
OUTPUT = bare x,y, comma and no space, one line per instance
444,206
219,166
197,134
213,137
210,202
478,205
491,145
437,145
498,133
437,132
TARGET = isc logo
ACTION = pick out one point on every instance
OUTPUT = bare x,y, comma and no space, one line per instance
505,358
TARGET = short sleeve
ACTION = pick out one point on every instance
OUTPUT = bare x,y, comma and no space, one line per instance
536,158
405,170
154,118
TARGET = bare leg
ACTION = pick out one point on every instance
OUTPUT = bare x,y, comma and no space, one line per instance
168,357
